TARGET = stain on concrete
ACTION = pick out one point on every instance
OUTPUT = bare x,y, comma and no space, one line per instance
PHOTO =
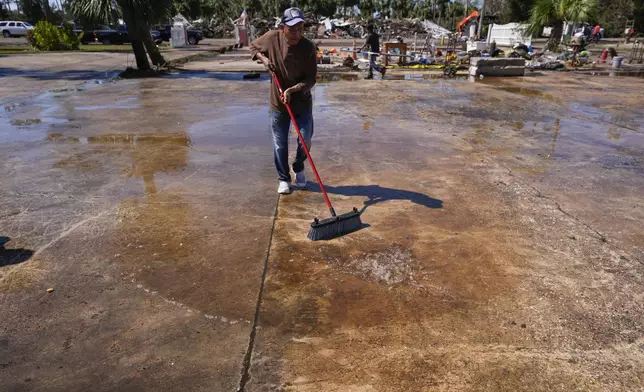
484,293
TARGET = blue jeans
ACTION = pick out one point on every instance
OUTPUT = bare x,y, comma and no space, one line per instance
280,126
373,65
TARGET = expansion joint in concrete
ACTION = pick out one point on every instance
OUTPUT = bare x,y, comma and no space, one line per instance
245,376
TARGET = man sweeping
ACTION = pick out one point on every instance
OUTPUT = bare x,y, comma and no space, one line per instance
373,43
293,59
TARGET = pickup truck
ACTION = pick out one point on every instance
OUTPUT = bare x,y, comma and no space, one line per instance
194,35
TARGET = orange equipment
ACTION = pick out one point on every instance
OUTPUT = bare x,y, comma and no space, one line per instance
461,25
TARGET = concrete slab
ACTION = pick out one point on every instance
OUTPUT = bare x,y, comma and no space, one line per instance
497,71
497,66
503,252
496,61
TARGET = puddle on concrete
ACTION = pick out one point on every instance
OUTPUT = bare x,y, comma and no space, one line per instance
127,103
337,77
20,123
526,92
227,76
258,76
415,76
322,77
615,73
237,127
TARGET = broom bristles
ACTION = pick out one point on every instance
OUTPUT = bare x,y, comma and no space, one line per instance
335,226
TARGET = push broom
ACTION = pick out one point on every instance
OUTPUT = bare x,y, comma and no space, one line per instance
336,225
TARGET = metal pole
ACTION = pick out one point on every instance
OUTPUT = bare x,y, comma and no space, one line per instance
478,33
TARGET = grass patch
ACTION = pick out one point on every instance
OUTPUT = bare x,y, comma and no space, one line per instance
21,49
114,48
106,48
15,49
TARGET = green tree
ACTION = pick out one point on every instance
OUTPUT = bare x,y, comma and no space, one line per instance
638,15
555,12
401,8
319,7
33,10
367,7
254,8
516,11
612,16
188,8
271,8
137,15
219,9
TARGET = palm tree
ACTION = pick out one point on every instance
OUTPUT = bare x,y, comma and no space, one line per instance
137,15
555,12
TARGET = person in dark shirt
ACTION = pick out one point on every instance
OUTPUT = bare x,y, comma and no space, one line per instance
293,58
373,43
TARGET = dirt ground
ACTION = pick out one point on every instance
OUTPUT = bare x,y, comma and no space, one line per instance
503,246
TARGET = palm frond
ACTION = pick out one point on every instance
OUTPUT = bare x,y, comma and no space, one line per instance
578,10
543,13
152,10
93,9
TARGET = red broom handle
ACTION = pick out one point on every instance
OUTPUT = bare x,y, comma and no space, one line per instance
303,142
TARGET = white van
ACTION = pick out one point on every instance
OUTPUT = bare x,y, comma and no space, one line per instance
14,29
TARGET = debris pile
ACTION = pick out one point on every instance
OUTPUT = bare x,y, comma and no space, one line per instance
404,28
215,28
262,25
388,28
328,28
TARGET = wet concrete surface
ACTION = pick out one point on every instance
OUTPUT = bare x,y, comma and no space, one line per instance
147,210
503,249
26,75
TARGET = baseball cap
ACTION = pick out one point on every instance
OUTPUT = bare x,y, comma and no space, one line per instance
293,16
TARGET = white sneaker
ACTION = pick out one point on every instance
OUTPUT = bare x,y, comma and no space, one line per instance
300,180
284,188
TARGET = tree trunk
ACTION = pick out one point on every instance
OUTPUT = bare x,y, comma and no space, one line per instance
47,10
555,36
142,62
150,46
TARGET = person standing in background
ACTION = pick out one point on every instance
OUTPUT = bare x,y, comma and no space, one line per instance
373,43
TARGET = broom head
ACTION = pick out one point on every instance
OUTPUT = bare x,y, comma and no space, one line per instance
335,226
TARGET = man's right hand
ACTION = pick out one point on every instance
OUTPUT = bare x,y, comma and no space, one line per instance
267,63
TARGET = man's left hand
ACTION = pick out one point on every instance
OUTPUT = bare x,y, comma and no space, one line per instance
286,96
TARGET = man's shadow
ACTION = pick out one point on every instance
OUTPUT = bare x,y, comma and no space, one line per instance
376,194
13,256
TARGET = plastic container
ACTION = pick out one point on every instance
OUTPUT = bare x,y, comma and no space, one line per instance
617,61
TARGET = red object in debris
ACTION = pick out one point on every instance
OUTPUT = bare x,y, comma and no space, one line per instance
604,55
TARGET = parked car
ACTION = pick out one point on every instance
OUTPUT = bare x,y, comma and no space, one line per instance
194,35
108,36
14,29
156,36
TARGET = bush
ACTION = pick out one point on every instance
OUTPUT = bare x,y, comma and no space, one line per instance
46,36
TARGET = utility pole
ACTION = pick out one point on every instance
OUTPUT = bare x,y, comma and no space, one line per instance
478,33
